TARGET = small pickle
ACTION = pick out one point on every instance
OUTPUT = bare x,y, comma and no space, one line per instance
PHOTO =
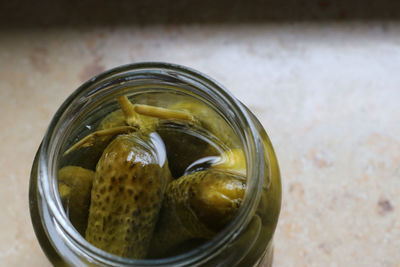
75,185
126,197
197,205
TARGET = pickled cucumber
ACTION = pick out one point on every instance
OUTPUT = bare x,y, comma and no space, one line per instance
75,184
126,197
197,205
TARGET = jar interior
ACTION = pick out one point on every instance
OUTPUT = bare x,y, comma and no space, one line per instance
95,108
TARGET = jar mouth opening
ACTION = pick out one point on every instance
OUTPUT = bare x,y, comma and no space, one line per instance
209,88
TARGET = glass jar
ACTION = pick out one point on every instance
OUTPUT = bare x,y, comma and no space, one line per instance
245,241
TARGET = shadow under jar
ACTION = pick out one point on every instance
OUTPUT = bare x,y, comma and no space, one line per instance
246,240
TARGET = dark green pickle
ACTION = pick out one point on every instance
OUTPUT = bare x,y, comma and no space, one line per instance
75,185
196,206
127,194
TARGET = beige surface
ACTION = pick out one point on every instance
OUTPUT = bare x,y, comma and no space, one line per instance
328,95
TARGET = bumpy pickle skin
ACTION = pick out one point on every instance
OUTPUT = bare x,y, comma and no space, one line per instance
75,185
197,205
126,197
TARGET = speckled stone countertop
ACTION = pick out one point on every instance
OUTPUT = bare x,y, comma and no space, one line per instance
328,94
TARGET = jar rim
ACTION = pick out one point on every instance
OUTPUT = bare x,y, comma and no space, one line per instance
253,147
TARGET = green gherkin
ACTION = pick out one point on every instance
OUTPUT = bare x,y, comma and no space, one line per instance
75,184
126,197
197,205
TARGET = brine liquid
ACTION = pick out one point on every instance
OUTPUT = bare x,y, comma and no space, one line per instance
188,148
191,149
